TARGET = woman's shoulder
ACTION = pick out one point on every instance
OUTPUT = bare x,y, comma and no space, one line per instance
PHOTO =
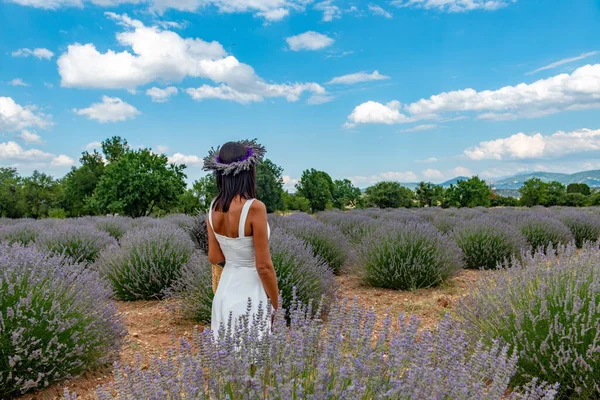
258,207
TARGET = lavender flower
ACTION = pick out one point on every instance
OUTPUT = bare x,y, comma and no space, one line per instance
116,226
22,232
542,231
585,227
56,320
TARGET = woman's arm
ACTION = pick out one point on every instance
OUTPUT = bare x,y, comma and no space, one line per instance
264,264
215,254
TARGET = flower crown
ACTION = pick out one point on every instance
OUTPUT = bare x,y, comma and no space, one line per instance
255,154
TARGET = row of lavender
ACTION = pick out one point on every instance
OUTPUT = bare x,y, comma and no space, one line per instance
146,258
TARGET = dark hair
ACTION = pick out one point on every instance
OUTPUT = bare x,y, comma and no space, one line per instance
242,184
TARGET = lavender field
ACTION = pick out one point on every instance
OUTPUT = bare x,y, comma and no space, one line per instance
406,303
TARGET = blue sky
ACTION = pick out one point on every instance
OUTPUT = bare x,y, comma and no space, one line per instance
404,90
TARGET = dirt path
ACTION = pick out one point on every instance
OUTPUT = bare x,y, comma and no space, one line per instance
152,325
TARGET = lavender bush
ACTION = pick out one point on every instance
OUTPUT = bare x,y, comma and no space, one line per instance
56,320
326,241
147,262
198,232
585,227
192,291
23,232
337,359
82,243
297,267
542,231
116,226
353,225
548,310
487,242
181,220
407,256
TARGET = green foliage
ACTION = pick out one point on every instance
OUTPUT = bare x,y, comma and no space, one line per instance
503,201
575,199
473,192
40,193
389,195
137,182
269,183
555,194
295,202
188,202
534,192
10,193
80,183
581,188
114,148
345,194
205,190
57,213
429,195
317,187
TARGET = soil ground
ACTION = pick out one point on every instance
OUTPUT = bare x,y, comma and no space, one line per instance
152,325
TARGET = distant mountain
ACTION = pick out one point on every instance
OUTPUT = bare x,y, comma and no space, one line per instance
454,181
591,178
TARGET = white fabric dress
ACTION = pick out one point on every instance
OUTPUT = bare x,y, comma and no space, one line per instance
239,280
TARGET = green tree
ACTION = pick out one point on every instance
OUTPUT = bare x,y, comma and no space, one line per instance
80,183
428,194
533,192
269,183
503,201
345,194
317,187
137,182
473,192
556,192
114,148
582,188
41,193
188,202
206,190
389,195
575,199
11,205
295,202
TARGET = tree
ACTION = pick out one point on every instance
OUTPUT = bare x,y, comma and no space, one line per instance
80,183
534,192
582,188
317,187
188,202
473,192
503,201
114,148
428,194
575,199
269,183
11,205
206,190
41,193
556,192
295,202
389,195
137,182
345,194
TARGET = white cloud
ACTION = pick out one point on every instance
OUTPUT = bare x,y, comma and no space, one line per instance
12,151
48,85
289,183
162,149
357,77
433,174
420,128
330,11
111,109
18,82
222,92
189,160
377,10
310,40
37,52
62,161
428,160
334,54
319,99
30,137
522,146
93,146
161,95
563,61
14,117
404,177
454,5
276,14
565,92
165,56
461,171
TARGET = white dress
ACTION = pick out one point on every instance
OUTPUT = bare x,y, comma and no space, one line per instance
239,280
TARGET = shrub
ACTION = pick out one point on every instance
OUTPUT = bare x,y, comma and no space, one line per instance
486,242
326,241
198,232
54,323
445,223
181,220
337,359
193,289
82,243
297,267
352,224
541,231
548,309
116,226
585,227
23,232
148,261
407,256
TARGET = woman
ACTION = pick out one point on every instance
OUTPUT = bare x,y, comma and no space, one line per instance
239,234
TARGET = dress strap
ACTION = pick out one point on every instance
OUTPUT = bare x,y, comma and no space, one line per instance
243,217
210,215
